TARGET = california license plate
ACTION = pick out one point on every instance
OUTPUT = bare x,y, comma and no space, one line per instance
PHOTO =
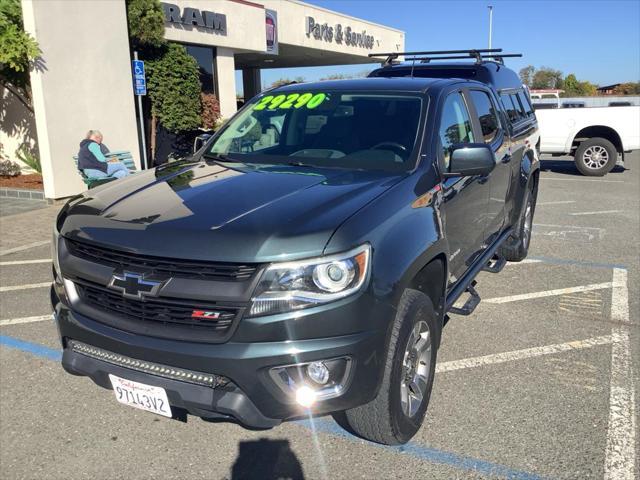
138,395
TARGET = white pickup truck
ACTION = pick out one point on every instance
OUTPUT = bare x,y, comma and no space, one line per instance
595,136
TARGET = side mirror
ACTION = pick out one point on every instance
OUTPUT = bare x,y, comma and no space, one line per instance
200,140
471,159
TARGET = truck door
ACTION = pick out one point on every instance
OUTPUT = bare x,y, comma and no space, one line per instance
465,198
490,131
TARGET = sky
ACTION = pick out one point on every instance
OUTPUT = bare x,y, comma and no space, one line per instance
597,40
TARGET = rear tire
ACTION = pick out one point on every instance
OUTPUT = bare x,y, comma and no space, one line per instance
516,248
396,413
595,157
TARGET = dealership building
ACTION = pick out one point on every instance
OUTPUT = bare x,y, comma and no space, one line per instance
85,80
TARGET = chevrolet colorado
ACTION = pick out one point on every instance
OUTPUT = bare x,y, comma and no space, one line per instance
305,260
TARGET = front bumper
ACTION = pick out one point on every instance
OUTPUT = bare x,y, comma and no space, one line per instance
223,402
250,395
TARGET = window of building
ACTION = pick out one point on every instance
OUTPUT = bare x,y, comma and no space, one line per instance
455,125
205,56
486,114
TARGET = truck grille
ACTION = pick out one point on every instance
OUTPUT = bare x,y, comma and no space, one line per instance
165,266
167,318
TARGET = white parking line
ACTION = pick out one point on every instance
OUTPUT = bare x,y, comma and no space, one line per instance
24,247
551,293
596,213
16,321
25,262
525,261
561,202
521,354
620,451
546,179
25,287
567,226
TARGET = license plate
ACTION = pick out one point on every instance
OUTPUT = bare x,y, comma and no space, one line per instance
138,395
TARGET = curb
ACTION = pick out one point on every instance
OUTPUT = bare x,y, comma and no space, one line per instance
22,193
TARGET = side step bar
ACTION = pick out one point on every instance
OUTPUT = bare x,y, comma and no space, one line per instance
471,303
467,282
495,265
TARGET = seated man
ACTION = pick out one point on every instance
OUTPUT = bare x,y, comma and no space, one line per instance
93,163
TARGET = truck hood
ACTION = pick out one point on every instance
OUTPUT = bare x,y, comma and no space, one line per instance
233,212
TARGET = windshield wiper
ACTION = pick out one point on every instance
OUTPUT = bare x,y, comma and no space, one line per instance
220,158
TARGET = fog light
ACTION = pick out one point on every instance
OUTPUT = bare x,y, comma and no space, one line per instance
309,383
318,372
305,396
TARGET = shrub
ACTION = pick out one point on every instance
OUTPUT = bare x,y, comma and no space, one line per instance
146,23
174,89
30,159
9,168
18,49
210,110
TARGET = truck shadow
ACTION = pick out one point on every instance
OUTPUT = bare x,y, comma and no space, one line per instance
266,459
567,167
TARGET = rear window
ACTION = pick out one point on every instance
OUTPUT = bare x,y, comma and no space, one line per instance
524,100
514,106
518,105
486,114
510,108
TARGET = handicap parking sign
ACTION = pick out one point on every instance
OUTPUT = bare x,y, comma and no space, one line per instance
139,80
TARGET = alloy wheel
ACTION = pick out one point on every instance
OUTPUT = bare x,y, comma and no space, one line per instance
595,157
526,227
416,368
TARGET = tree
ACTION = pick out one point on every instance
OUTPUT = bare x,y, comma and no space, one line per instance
173,81
575,88
146,23
571,86
174,89
526,74
546,77
629,88
286,81
18,50
336,76
588,89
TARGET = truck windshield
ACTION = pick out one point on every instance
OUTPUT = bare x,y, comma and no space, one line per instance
325,129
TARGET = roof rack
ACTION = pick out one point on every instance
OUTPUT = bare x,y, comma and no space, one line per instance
479,55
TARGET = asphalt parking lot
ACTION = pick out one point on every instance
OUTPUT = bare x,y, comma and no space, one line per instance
539,382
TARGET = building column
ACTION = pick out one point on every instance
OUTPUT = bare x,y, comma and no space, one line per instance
226,81
251,82
89,89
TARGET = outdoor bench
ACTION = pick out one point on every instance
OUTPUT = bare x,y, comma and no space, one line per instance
122,155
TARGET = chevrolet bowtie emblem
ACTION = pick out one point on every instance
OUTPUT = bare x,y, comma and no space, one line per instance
134,285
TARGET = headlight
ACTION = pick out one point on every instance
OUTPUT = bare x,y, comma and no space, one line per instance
295,285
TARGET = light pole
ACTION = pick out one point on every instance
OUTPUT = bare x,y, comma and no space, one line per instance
490,7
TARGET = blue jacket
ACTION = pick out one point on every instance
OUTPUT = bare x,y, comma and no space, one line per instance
91,156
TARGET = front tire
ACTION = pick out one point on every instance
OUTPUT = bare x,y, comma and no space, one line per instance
396,413
595,157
